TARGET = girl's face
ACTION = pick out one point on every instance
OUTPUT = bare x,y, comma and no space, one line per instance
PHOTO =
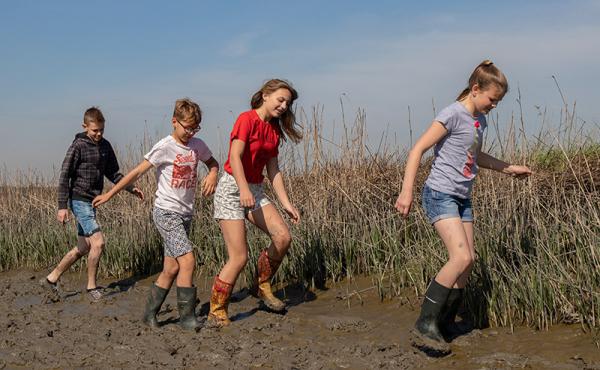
277,102
486,100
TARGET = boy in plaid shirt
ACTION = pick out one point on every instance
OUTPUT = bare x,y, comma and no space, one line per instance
89,158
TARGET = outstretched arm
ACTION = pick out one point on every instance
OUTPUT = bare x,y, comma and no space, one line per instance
130,178
434,133
276,179
485,160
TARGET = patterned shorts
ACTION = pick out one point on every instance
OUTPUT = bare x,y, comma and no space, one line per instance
174,229
227,199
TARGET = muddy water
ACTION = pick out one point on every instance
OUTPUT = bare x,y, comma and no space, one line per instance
343,327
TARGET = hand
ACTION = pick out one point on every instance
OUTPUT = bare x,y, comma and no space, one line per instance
100,199
403,203
62,216
138,193
247,199
209,184
518,171
293,213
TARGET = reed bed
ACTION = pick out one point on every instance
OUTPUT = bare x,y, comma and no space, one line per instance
537,240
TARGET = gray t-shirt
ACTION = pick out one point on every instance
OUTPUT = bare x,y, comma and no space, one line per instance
455,156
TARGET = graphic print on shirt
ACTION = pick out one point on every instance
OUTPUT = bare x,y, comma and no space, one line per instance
468,169
184,170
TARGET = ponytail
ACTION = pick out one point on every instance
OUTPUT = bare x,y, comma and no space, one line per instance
485,75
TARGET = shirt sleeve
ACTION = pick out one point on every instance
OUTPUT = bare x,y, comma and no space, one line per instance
156,155
447,117
241,129
67,171
204,152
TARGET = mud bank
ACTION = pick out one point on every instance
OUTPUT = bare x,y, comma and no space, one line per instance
344,326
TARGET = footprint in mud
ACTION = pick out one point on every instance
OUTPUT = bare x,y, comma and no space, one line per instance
346,324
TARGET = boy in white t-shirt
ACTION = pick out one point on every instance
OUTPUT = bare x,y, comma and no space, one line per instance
175,158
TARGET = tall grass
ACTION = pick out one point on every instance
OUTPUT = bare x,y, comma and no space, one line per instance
537,240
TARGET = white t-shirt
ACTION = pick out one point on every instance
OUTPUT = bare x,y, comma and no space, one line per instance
176,172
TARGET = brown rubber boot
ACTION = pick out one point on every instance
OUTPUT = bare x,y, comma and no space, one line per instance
219,301
267,267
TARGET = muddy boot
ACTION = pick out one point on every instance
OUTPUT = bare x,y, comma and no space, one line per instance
219,301
426,334
447,325
267,267
155,300
186,304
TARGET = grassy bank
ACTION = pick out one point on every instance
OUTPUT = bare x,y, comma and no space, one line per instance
538,240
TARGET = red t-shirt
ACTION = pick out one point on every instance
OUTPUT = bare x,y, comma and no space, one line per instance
262,142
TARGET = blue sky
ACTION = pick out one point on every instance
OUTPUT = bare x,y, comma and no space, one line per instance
134,58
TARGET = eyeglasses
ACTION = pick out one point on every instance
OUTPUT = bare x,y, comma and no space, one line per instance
188,130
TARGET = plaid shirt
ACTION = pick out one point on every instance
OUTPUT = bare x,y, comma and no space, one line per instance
83,170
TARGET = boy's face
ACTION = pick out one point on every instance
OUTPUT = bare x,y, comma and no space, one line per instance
94,130
184,131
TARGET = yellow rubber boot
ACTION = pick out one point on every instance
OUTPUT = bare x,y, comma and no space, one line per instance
219,301
267,267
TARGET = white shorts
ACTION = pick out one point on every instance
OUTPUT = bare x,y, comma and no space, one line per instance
227,199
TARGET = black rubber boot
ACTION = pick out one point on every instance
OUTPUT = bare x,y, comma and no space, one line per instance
447,326
186,304
427,335
155,300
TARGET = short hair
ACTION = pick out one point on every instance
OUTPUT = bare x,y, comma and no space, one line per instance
188,111
93,114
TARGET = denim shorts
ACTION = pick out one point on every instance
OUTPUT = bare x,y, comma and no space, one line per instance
439,206
85,215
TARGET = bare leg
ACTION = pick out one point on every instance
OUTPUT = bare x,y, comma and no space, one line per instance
187,263
269,220
462,280
69,259
453,234
96,242
168,274
234,234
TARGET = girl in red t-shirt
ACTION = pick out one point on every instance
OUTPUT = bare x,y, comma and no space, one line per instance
254,143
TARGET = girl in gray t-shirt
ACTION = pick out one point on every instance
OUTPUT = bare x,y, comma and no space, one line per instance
457,133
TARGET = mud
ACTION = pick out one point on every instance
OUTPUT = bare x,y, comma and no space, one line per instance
345,326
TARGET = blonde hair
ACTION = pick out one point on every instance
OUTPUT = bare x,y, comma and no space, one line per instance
187,111
287,121
485,75
93,114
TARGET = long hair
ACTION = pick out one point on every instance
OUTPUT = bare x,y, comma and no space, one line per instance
485,75
287,121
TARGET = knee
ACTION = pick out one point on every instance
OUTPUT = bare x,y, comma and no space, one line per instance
187,262
463,261
240,260
171,270
97,245
81,250
282,239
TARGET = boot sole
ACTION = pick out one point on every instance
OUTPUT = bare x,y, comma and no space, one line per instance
214,323
274,308
430,347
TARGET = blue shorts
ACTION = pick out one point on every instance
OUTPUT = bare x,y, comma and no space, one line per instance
439,206
85,215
